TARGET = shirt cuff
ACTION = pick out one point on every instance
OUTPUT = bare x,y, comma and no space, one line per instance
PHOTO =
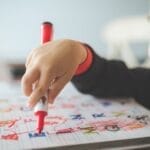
83,67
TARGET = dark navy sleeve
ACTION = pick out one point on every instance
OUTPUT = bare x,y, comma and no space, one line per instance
112,79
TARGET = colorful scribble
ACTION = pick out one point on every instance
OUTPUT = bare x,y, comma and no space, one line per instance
8,123
12,136
72,116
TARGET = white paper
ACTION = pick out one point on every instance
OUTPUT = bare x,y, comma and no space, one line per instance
74,119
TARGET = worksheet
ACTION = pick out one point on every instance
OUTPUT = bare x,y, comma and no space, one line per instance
73,121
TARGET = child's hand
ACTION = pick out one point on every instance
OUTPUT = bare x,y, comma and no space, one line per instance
50,67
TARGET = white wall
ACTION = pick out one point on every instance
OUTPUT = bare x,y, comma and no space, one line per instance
77,19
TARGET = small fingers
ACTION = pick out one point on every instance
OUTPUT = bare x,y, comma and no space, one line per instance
29,58
28,79
40,89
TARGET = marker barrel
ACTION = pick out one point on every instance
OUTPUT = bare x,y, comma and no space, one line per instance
46,32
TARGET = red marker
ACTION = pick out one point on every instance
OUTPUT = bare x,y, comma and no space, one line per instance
46,32
41,108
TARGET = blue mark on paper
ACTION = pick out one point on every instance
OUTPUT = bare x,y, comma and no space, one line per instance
33,135
77,117
96,115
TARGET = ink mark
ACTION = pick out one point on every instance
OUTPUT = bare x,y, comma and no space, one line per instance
33,135
53,120
142,119
69,106
112,127
13,136
77,117
88,129
95,115
27,120
67,130
134,126
118,114
25,108
9,123
12,123
106,103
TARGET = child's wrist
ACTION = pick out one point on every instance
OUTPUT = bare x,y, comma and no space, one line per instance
85,62
83,54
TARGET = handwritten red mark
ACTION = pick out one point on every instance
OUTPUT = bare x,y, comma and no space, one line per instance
52,120
10,123
13,136
67,130
67,105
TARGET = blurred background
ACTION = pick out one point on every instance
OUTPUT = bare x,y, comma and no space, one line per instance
116,29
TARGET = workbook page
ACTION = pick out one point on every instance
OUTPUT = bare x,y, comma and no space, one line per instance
74,119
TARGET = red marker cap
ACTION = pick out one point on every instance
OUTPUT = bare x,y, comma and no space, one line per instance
46,32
